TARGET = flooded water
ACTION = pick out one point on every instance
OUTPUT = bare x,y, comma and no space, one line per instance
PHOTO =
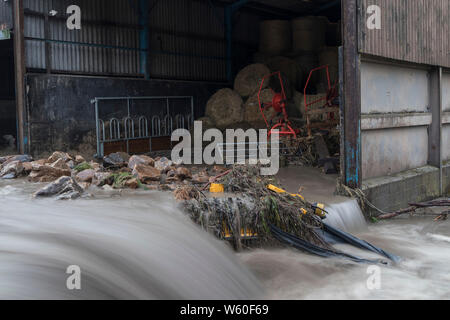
127,247
423,273
130,245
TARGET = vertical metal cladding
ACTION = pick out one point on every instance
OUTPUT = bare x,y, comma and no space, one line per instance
6,14
104,22
411,30
186,38
187,41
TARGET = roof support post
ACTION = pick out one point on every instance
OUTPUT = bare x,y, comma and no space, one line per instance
230,10
19,64
351,95
144,36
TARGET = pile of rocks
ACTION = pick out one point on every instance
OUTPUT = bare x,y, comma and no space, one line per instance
69,176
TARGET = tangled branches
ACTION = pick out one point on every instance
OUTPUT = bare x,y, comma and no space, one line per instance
255,208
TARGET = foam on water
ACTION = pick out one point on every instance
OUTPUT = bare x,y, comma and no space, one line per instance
346,216
128,247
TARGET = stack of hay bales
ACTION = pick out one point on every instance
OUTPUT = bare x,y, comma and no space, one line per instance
309,33
309,37
292,47
252,111
226,108
275,37
297,47
299,102
329,56
248,80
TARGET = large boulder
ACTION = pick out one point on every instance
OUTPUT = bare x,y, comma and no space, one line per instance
183,173
163,164
65,188
135,160
79,159
59,155
248,80
20,158
225,107
11,170
116,160
86,175
146,173
60,164
47,173
102,178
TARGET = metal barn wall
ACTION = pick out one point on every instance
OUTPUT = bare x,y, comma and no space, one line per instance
187,38
119,31
6,14
411,30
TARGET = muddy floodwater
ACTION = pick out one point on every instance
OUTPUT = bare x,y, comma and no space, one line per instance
132,245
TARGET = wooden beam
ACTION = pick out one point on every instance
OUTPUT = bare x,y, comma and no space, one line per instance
19,63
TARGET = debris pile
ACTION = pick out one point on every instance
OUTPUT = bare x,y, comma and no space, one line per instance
253,209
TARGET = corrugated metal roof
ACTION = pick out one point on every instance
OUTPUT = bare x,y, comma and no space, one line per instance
412,30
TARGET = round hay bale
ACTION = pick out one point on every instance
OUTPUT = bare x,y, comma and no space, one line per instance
248,80
289,67
330,56
225,107
306,62
309,33
275,36
299,103
252,113
274,83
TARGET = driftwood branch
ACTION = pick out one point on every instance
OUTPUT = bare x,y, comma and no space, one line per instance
397,213
414,206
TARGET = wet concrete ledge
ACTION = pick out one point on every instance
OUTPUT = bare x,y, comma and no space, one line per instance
395,192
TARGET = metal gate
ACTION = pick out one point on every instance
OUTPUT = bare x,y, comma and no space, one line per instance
140,124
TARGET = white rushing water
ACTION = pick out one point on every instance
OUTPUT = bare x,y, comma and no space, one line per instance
423,272
346,216
130,245
127,247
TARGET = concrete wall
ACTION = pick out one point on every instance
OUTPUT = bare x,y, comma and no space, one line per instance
389,151
393,89
394,108
395,192
446,92
446,117
61,116
446,180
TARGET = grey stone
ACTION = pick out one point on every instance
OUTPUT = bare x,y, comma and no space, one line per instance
64,187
